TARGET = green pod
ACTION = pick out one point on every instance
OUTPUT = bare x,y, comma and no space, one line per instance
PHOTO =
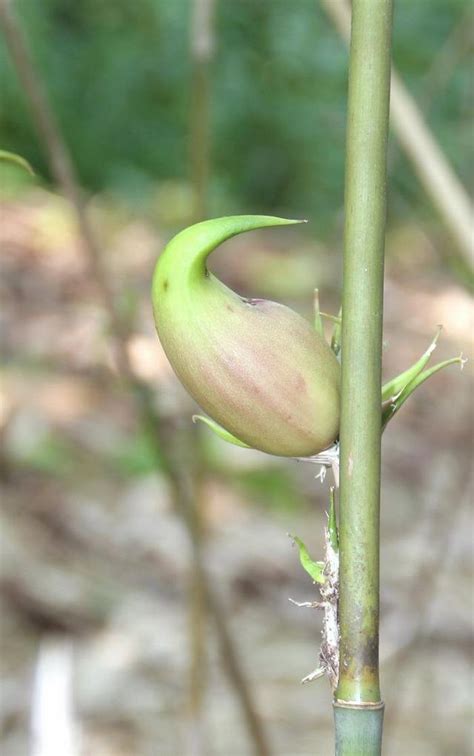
256,367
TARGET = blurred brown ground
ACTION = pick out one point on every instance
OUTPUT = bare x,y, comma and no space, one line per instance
90,546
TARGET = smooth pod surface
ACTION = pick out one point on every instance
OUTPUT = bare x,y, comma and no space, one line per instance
256,367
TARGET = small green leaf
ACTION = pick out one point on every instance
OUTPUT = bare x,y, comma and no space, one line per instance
220,431
391,408
395,386
332,522
318,323
314,569
12,157
337,334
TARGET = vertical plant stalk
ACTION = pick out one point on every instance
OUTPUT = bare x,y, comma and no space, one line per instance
202,49
159,433
196,592
202,52
358,708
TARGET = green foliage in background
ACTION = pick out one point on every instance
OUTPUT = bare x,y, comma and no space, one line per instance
119,77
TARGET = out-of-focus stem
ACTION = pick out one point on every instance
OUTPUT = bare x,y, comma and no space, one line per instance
358,708
160,435
202,51
202,48
180,469
430,163
233,666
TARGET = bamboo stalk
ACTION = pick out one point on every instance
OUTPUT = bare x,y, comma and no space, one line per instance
159,434
434,171
358,706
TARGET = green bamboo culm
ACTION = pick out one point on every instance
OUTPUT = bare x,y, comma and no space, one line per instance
358,706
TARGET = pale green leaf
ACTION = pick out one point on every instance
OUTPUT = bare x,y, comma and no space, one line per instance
314,569
332,521
337,334
396,385
391,408
220,431
12,157
318,323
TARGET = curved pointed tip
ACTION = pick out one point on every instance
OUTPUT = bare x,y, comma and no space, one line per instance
188,250
232,225
182,263
277,221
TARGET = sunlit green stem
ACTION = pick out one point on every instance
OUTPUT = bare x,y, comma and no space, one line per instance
365,205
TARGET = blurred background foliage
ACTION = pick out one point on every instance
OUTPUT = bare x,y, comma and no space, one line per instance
90,544
119,78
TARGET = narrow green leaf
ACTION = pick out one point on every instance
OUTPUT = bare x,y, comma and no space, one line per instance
398,384
220,431
12,157
336,334
391,408
332,521
314,569
318,323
